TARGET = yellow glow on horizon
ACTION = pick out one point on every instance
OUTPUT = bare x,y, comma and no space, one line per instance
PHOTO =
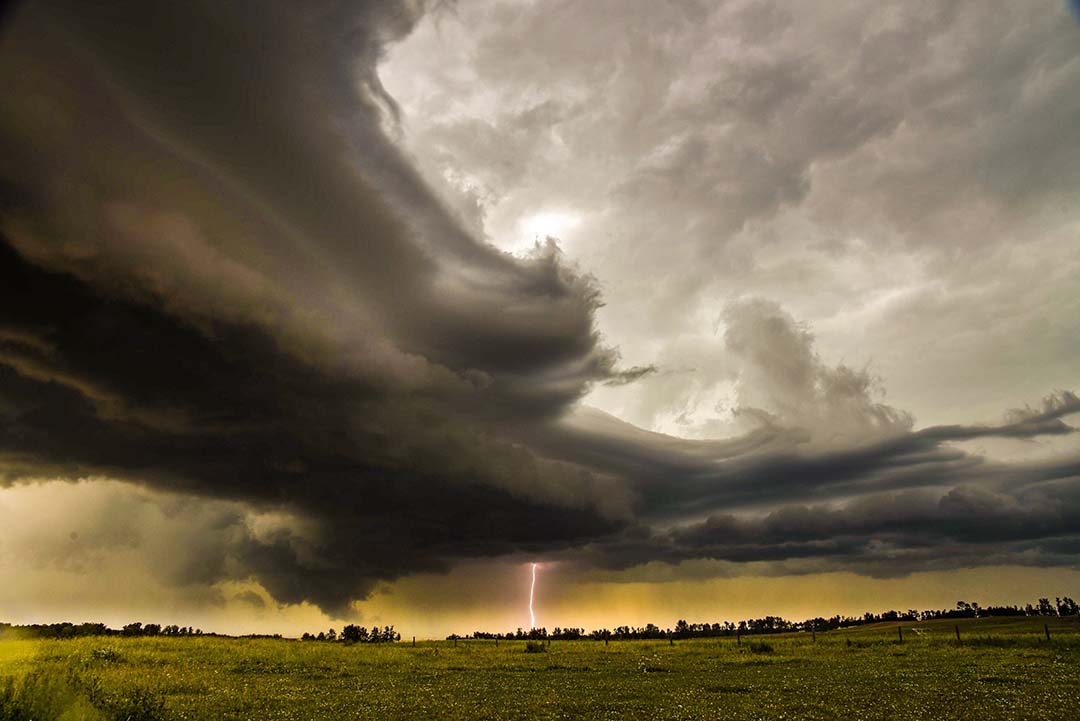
434,606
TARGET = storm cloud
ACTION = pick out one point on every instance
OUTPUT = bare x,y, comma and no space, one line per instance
226,276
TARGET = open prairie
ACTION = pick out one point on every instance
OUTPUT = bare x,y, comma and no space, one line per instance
1001,669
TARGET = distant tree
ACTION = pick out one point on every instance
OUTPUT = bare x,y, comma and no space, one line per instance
350,634
331,635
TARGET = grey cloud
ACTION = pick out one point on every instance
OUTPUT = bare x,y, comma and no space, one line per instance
630,375
781,373
252,599
881,535
861,165
821,443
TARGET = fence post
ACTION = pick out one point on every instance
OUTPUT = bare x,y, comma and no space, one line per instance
900,630
455,643
414,641
813,634
738,639
957,627
1046,628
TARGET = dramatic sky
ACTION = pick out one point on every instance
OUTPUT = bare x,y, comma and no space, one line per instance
332,311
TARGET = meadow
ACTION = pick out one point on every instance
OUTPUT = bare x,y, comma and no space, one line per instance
1001,669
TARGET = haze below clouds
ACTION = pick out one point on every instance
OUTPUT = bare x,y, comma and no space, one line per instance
284,335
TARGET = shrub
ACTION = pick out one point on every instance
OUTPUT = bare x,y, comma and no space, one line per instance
535,647
761,647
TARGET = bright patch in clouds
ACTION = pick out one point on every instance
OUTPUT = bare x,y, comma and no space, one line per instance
536,228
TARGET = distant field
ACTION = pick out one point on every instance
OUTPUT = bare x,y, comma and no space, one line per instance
1003,669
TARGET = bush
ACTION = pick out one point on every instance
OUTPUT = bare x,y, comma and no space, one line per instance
761,647
535,647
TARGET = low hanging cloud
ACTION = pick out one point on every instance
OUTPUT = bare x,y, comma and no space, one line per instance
221,279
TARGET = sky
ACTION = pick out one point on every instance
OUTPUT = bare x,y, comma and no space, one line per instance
351,311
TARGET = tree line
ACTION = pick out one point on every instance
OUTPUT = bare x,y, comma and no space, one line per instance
533,634
66,629
1063,606
356,634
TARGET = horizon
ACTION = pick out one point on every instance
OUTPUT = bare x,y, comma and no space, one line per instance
1061,607
355,312
935,593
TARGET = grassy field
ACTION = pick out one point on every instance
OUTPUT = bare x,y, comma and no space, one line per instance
1003,669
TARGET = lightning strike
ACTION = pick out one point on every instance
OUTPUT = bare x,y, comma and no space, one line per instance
532,591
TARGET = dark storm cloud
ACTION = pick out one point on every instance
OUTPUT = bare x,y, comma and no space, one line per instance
882,535
889,501
94,385
220,277
770,466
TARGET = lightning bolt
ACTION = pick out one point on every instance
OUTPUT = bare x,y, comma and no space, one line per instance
532,591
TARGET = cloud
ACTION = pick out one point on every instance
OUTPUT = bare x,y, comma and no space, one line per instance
245,300
875,170
630,375
780,373
223,281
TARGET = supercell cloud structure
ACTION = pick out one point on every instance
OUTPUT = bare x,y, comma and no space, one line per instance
224,277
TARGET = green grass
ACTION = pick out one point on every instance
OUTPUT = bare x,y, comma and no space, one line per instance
1004,669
